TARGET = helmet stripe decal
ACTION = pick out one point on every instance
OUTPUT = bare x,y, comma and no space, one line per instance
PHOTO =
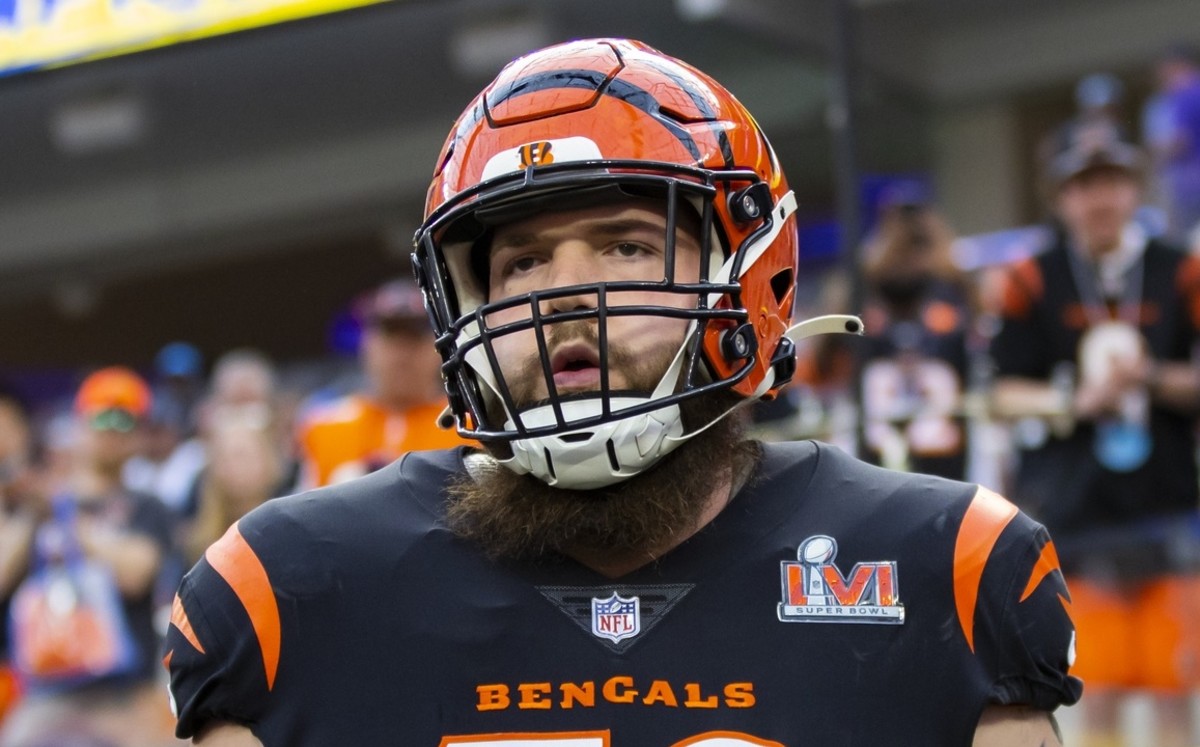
726,148
590,79
702,105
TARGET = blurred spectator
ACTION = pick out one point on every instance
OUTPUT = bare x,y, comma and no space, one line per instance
170,457
82,618
914,367
1094,365
1171,126
243,392
167,464
16,524
911,370
243,388
245,468
399,410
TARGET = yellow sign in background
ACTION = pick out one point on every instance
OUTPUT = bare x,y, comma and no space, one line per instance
48,33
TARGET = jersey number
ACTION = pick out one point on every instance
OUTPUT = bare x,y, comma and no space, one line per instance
599,739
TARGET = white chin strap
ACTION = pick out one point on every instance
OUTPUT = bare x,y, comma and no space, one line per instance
830,324
599,456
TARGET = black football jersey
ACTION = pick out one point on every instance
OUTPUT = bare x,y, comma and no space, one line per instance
831,603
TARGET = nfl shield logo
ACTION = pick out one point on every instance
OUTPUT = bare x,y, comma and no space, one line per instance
616,618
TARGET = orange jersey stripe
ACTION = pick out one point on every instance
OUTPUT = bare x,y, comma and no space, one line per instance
1188,285
1023,287
236,562
985,519
180,620
1046,564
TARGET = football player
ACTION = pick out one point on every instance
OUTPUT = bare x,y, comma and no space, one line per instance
609,259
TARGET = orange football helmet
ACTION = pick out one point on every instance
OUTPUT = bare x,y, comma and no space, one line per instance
570,126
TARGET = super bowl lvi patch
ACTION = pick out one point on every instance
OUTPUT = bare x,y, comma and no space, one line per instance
814,589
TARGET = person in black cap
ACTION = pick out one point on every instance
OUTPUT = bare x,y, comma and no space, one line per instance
1094,367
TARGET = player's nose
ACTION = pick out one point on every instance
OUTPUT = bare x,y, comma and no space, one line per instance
572,264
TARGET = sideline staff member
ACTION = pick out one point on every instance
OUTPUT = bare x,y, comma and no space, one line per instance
1098,333
609,257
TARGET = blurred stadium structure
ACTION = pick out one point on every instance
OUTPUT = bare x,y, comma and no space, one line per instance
235,190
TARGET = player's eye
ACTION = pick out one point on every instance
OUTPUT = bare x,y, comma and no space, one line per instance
523,264
519,265
632,249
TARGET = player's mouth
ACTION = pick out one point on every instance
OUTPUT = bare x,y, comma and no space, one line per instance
575,367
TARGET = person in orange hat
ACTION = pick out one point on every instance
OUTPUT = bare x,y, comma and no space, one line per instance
398,410
107,545
110,403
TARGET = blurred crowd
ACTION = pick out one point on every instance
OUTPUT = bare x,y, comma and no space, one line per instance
1067,380
106,499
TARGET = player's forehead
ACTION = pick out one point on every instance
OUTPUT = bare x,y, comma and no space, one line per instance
631,217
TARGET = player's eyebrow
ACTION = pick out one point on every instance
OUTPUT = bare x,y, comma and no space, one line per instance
603,228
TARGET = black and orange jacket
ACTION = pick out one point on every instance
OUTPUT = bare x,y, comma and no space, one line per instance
1043,316
831,603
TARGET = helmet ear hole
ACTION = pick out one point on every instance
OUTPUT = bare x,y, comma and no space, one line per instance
782,283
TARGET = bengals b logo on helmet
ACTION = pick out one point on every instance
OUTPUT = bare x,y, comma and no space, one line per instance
535,154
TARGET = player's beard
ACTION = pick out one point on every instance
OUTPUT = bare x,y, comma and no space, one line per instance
521,517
